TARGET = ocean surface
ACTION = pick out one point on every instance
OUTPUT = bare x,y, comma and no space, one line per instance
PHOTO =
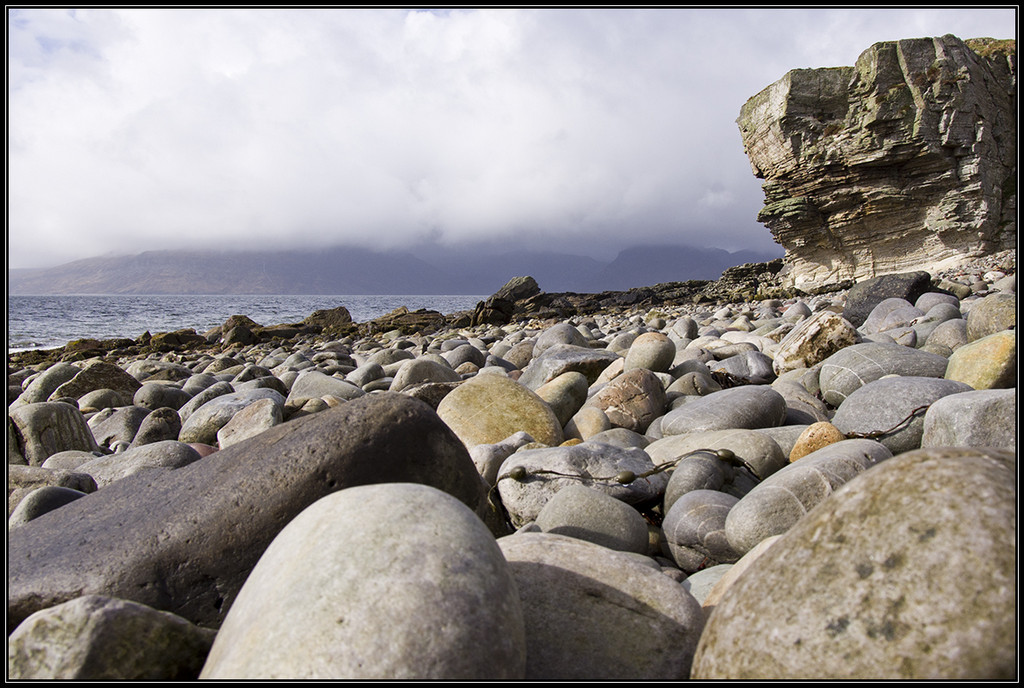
42,322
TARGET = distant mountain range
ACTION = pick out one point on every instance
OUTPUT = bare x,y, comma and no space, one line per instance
362,271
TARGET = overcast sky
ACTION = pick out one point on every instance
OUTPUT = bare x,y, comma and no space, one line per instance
583,131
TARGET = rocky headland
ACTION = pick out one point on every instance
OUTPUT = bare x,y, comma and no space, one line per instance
754,477
905,161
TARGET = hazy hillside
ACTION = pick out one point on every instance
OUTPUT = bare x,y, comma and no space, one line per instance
361,271
642,266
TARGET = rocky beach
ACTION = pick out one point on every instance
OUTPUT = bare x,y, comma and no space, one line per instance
806,468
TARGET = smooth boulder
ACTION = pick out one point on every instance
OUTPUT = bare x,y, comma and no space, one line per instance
849,369
749,406
45,428
95,637
593,613
909,571
488,408
393,581
891,410
185,540
980,418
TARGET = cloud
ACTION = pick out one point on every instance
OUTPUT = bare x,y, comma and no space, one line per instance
133,130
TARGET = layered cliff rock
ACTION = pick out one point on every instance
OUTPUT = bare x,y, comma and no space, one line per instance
906,161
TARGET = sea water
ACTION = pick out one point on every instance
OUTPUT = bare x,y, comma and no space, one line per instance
41,322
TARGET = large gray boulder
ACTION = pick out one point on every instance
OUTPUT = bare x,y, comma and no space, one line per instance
45,428
749,406
982,418
95,637
587,514
891,410
395,581
849,369
594,613
909,571
592,464
185,540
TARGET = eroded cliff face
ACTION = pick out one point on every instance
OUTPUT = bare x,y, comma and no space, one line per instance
906,161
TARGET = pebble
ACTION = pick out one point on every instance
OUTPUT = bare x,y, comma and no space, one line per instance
815,437
587,514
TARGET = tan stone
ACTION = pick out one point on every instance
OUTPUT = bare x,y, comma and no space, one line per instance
651,350
813,340
632,400
565,394
587,422
488,408
815,437
987,363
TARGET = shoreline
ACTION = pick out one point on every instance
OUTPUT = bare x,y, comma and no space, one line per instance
739,284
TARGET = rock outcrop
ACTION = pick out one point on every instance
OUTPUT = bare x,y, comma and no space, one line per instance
905,161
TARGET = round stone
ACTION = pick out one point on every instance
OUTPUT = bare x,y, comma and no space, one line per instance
891,410
488,408
816,436
695,530
840,595
986,363
391,581
776,504
591,612
651,350
749,406
587,514
848,369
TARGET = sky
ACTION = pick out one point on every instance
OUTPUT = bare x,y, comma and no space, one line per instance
582,131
